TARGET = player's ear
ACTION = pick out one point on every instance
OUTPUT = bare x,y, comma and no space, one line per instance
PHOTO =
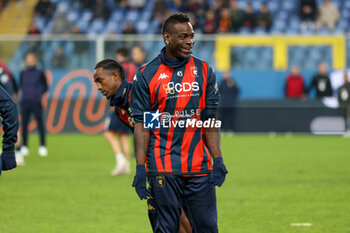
166,38
116,76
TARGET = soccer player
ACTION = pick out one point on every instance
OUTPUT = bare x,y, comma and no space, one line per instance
9,119
177,87
114,126
8,82
344,103
321,82
109,76
33,84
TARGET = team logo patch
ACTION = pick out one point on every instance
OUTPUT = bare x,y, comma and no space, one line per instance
160,181
194,71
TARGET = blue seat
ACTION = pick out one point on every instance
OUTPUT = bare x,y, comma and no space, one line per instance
241,4
260,31
86,15
132,15
97,26
142,27
289,5
117,15
244,31
73,15
323,31
273,6
256,5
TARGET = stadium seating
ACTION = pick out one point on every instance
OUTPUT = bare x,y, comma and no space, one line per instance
285,21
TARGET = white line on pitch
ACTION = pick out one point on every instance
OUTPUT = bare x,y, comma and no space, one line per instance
305,224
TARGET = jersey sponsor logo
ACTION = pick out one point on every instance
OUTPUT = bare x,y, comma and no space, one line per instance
163,76
179,73
157,120
172,88
151,120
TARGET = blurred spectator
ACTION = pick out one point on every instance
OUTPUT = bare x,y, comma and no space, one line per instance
44,8
225,22
263,18
321,82
307,13
59,59
33,29
160,9
122,3
229,92
294,88
216,7
328,15
33,85
236,15
87,4
61,24
197,7
129,28
122,56
344,103
176,6
101,10
248,17
210,23
194,22
33,45
138,55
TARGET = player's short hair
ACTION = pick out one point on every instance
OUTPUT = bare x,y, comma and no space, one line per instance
112,65
173,19
123,51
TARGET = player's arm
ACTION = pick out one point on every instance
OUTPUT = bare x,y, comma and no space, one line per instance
140,102
212,137
9,114
44,82
141,141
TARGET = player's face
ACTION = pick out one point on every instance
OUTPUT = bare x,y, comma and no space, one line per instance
181,41
107,82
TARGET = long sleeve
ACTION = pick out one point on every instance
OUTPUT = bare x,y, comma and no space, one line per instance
9,114
140,98
212,95
44,82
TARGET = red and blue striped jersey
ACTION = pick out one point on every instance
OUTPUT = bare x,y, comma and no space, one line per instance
179,94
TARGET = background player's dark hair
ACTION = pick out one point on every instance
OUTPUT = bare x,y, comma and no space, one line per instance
123,51
112,65
174,18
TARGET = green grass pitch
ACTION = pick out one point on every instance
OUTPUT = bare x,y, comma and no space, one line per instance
272,183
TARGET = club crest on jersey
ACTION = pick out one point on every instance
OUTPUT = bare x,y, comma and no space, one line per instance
163,76
160,181
194,71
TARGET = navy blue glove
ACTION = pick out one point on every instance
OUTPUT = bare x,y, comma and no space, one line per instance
219,172
8,160
140,182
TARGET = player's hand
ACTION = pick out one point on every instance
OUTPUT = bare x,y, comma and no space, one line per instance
140,182
219,172
8,160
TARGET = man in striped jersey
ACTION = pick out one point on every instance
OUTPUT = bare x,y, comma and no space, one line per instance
173,103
